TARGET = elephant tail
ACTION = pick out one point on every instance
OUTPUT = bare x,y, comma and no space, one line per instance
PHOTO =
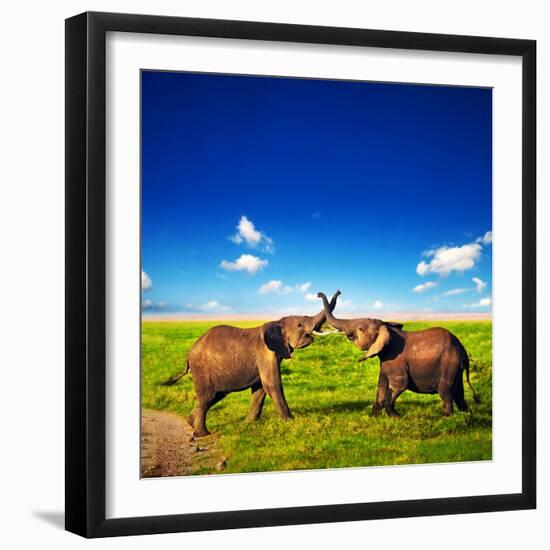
466,366
171,381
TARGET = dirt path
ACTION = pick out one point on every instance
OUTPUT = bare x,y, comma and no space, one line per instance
168,447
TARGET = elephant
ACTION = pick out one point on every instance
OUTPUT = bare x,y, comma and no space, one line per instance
424,361
228,359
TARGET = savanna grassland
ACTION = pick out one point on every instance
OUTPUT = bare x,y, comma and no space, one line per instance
330,395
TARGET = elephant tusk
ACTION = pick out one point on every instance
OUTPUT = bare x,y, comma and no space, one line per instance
325,333
364,358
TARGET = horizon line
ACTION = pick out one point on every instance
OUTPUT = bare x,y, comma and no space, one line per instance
390,316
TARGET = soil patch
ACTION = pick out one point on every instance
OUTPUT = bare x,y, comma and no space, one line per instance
169,449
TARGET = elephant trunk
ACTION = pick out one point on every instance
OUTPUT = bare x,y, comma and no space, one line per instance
319,319
339,324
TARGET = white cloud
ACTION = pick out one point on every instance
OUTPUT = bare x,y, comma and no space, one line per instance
423,287
303,287
247,233
480,285
377,304
484,302
456,291
486,239
212,305
450,258
422,268
146,282
246,262
277,287
274,287
149,305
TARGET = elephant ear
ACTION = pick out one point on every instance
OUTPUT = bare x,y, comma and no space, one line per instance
382,340
275,340
398,326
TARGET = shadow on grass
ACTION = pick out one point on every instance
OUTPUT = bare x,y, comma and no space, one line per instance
343,406
411,407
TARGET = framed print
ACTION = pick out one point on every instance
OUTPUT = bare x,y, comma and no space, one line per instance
300,274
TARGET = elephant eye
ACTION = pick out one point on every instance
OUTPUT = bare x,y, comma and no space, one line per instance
350,335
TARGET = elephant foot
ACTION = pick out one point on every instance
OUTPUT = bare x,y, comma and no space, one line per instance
376,410
251,418
201,433
393,414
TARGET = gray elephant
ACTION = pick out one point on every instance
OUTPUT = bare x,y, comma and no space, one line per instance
423,361
227,359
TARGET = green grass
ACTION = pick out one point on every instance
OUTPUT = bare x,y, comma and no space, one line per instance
330,395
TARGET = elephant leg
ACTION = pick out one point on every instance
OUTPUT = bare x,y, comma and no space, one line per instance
461,403
458,397
278,397
396,387
389,402
447,397
191,418
273,386
458,393
380,394
258,398
199,413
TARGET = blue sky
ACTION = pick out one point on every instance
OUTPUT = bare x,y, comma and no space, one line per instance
257,192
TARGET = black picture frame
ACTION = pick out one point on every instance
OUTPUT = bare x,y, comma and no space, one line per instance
86,269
